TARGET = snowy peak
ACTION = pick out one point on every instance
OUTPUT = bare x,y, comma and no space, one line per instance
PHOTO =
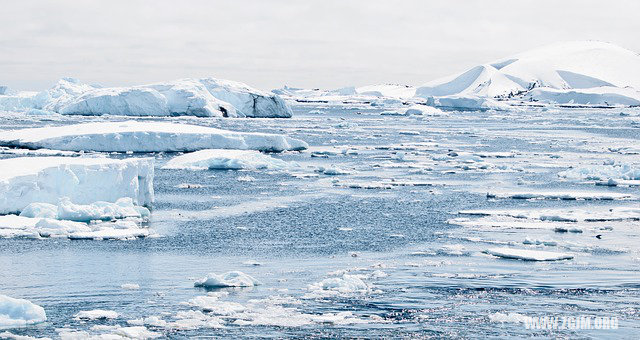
581,66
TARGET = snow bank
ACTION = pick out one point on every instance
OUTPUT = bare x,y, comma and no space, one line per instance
145,137
228,279
587,73
528,255
207,97
215,159
19,312
27,180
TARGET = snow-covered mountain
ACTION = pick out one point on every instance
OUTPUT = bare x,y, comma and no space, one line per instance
589,73
205,97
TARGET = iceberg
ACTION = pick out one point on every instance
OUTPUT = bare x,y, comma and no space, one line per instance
145,137
206,97
219,159
19,312
228,279
28,180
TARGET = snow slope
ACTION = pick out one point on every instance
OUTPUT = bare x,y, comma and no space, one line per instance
19,312
586,73
206,97
27,180
145,137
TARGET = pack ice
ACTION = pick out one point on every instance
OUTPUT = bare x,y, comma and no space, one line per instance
205,97
19,312
28,180
144,137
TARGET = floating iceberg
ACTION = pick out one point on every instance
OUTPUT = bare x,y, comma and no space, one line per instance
28,180
206,97
228,279
528,255
145,137
219,159
19,312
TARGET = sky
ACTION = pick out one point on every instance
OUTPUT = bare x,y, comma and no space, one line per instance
271,43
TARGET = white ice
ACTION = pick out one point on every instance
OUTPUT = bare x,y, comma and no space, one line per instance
27,180
219,159
19,312
145,137
527,254
228,279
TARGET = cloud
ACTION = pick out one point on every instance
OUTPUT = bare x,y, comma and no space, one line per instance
311,43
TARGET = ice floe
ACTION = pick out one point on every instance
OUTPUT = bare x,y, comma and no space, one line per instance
19,312
96,314
27,180
527,254
561,195
228,279
220,159
140,136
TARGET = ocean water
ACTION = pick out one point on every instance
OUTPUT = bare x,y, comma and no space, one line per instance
389,248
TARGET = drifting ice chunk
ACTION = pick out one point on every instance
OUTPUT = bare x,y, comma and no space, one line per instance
227,159
528,255
19,312
96,314
346,284
145,137
228,279
29,180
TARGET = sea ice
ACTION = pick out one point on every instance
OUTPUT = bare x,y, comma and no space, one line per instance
527,254
220,159
19,312
228,279
27,180
139,136
96,314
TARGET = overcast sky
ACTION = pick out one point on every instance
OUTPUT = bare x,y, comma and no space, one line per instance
268,44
